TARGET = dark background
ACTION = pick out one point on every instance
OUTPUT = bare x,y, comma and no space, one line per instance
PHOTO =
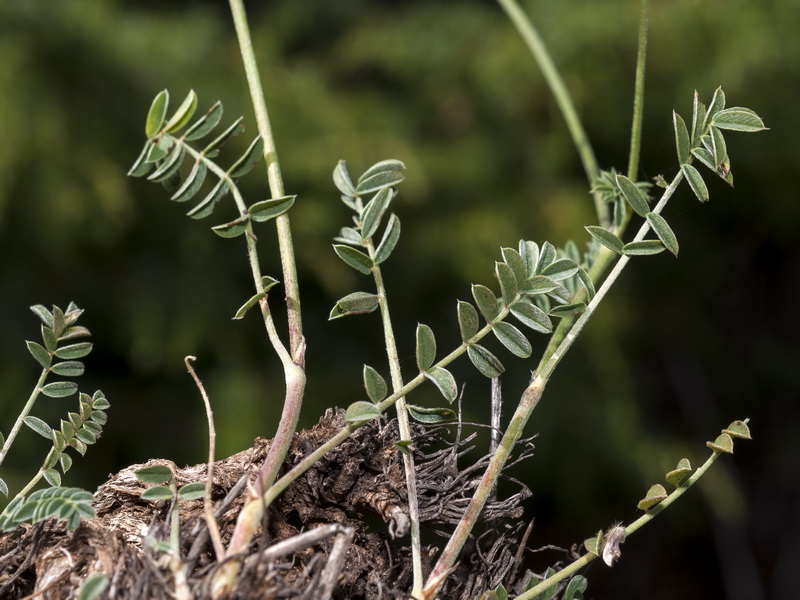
678,350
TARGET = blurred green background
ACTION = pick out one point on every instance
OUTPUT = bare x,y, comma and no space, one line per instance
679,349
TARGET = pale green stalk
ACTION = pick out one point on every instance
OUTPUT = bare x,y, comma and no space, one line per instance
604,256
25,410
293,364
403,425
629,530
528,402
638,94
562,96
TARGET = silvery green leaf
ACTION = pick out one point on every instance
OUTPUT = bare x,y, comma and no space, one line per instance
68,369
157,493
566,310
207,204
547,254
540,284
508,282
192,183
484,361
587,283
45,315
153,474
58,321
606,238
348,235
382,167
269,209
444,381
430,416
681,138
695,182
633,196
378,181
170,165
60,389
532,316
425,347
39,426
341,179
664,232
575,588
76,331
79,446
514,260
361,412
141,166
183,115
3,486
486,301
248,160
99,401
529,251
157,114
251,302
205,124
52,477
698,120
160,148
41,355
354,258
357,303
232,229
192,491
644,248
373,212
716,105
235,129
563,268
389,240
467,320
65,461
513,339
374,384
718,147
738,119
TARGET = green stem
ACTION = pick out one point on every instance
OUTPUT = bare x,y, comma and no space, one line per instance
275,180
535,44
648,516
604,256
25,411
528,402
403,425
638,94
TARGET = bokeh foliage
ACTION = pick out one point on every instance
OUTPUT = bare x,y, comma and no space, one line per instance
681,346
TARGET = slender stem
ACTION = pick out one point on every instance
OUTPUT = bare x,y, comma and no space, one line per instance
403,425
638,94
535,44
528,402
648,516
275,179
21,418
208,508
